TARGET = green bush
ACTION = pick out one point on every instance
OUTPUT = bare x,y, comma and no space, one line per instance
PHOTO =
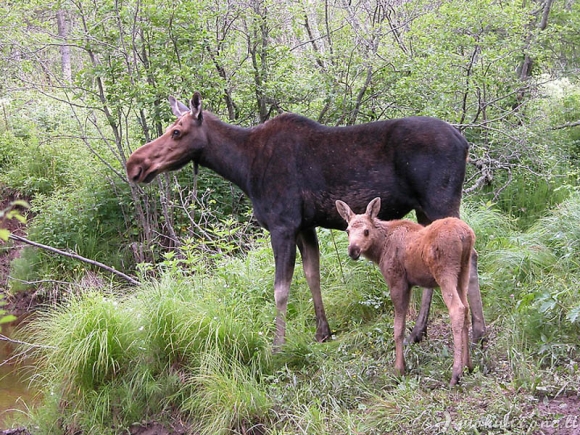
88,220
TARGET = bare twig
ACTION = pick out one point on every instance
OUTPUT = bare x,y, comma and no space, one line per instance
76,257
567,125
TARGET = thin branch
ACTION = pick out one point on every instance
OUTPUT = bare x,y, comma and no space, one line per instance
567,125
13,341
76,257
41,281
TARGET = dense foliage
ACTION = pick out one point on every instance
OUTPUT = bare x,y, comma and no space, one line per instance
84,83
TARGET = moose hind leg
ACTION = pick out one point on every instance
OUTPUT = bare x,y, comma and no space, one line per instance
284,248
308,245
474,295
420,329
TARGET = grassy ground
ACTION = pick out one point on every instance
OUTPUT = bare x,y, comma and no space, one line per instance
194,351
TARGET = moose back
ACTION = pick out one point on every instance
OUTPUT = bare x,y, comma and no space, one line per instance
294,169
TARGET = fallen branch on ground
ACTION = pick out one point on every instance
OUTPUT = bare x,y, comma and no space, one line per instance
76,257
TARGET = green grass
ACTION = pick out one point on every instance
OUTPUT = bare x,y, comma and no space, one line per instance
197,347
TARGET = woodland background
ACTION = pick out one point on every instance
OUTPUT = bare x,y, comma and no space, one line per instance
84,83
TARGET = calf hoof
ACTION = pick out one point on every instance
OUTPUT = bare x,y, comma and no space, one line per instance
454,381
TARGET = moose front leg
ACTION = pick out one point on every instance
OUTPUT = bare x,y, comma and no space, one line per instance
308,246
420,328
284,248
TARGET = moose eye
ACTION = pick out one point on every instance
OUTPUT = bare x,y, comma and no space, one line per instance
366,233
175,134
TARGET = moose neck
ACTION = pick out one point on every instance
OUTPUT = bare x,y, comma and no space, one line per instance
227,152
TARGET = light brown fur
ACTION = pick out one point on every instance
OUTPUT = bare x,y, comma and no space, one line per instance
408,255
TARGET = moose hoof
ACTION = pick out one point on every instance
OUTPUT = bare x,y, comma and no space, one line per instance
415,337
323,335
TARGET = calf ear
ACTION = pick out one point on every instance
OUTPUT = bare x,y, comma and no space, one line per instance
177,108
344,210
374,208
195,106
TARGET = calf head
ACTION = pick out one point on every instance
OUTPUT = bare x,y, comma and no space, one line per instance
181,143
361,227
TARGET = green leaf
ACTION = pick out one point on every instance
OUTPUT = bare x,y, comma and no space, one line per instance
21,203
7,319
574,314
4,234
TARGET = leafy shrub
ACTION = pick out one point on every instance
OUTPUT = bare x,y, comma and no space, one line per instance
88,220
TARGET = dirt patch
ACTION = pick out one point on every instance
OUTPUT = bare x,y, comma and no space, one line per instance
151,428
154,428
559,415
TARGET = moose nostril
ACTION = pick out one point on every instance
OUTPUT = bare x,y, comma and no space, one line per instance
354,252
135,177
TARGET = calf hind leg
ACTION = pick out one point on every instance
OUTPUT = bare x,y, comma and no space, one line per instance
462,288
458,314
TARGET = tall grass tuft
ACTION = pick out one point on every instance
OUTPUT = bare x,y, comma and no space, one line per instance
560,231
86,342
227,395
186,320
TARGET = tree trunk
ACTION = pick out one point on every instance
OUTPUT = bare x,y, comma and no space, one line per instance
64,48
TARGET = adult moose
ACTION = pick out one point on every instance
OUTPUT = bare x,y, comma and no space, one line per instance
294,169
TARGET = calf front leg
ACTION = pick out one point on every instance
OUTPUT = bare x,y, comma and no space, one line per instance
308,245
284,248
400,295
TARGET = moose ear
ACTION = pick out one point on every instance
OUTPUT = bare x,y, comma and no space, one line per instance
177,108
344,210
374,208
195,106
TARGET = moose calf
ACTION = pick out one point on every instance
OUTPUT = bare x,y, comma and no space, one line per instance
409,254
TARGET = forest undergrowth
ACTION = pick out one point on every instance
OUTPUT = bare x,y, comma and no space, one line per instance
193,346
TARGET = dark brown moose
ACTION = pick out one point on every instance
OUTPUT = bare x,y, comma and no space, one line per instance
294,169
410,254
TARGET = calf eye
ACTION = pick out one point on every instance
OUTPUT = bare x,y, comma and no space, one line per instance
366,233
175,134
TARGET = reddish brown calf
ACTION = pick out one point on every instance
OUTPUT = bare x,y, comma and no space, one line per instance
409,254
